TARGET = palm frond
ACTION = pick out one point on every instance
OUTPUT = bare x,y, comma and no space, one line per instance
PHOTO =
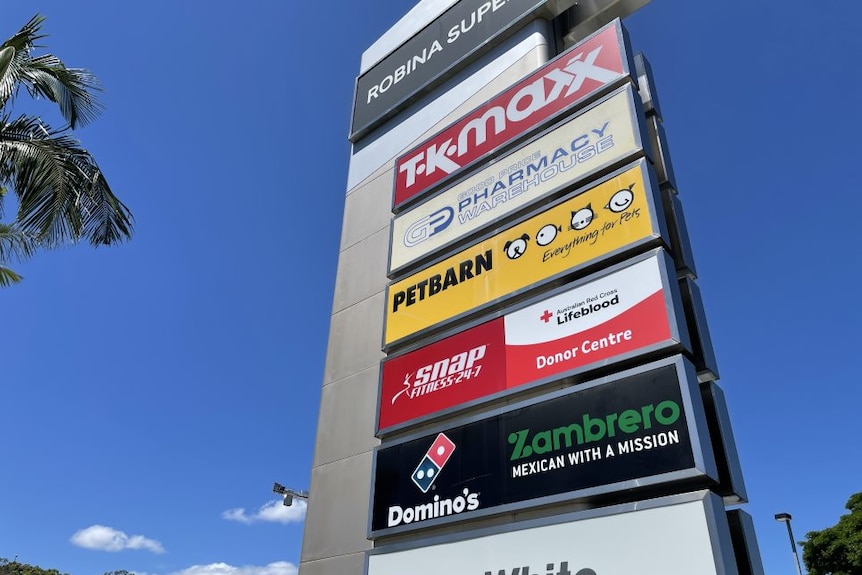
21,43
72,89
15,245
61,191
8,277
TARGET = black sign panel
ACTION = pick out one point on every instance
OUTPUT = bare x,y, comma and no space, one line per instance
449,42
628,431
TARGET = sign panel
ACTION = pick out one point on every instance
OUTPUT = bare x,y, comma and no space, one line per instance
448,43
646,86
603,135
630,309
678,535
731,485
698,329
613,217
680,245
599,62
628,431
744,539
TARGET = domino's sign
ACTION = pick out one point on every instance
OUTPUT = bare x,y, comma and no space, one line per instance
626,432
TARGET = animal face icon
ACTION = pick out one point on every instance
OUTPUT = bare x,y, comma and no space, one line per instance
547,234
621,200
582,217
516,248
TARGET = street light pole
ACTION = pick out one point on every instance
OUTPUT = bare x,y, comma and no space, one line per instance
785,518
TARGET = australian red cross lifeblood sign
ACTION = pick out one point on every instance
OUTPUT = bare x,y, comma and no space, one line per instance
574,77
630,309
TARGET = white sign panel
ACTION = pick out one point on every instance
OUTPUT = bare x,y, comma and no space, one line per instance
603,135
591,306
685,538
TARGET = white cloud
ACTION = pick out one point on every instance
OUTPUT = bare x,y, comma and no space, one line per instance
273,511
277,568
108,539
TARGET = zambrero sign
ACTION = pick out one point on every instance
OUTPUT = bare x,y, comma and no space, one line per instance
628,310
625,432
609,219
578,74
600,136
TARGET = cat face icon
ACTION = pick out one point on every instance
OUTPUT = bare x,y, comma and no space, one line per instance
582,218
516,248
621,200
547,234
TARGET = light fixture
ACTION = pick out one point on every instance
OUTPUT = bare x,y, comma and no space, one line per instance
288,494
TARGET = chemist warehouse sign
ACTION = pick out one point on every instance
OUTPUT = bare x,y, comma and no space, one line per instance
628,431
605,134
630,309
613,217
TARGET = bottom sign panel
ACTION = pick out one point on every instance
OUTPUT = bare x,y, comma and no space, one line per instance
679,535
631,431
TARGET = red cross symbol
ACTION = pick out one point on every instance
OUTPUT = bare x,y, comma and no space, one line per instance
546,317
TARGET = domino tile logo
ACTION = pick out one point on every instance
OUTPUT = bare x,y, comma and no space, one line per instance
431,465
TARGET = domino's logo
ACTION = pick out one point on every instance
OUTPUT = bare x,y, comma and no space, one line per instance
431,465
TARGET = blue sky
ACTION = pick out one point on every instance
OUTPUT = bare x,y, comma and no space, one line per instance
152,393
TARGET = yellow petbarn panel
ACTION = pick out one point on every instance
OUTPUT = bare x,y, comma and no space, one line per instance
615,216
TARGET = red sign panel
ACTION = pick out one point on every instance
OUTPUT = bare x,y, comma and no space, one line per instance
603,320
582,71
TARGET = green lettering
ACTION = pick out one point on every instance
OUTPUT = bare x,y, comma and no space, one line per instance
566,434
519,439
611,419
589,425
630,421
542,442
667,412
646,410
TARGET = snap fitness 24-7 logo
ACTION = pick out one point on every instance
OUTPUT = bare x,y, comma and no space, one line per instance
423,477
442,374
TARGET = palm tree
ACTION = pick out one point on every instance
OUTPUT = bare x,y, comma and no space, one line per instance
62,194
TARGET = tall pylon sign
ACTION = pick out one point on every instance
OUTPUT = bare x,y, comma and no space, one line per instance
520,377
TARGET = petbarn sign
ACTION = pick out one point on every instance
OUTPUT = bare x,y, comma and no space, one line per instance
614,216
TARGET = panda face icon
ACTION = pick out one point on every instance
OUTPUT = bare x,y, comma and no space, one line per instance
547,234
516,248
621,200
